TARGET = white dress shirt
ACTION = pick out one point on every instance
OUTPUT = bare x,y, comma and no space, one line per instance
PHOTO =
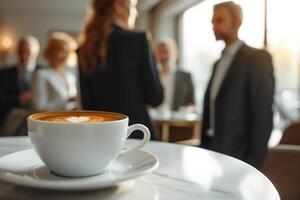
222,67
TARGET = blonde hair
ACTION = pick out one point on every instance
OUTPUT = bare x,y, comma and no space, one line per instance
57,40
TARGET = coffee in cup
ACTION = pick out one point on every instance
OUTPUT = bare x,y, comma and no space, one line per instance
81,143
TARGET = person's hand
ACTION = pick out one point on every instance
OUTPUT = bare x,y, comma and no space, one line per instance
25,98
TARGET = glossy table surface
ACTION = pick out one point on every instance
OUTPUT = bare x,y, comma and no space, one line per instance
184,173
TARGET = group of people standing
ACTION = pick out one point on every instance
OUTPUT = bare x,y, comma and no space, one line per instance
118,73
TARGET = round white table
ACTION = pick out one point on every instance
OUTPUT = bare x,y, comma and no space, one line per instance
184,173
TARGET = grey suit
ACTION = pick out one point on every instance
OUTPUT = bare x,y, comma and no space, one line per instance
243,108
183,90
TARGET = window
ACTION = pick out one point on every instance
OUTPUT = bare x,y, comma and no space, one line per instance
284,42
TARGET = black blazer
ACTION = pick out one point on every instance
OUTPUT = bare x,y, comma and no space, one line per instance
243,108
10,89
129,81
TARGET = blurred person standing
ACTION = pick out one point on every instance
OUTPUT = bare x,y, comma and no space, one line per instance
54,87
15,85
178,85
238,117
117,69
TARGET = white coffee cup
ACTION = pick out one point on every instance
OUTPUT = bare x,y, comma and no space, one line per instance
76,147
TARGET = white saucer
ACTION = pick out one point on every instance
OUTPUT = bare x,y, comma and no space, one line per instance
25,168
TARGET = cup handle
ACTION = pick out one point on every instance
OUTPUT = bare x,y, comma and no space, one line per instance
145,140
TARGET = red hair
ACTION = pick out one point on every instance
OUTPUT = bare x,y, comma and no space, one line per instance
93,52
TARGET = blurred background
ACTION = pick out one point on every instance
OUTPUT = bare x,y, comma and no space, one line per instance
267,24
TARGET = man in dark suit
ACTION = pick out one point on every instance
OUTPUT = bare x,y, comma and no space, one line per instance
237,118
15,80
178,85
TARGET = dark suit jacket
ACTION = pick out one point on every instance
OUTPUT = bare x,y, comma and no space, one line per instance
10,89
243,108
128,82
184,90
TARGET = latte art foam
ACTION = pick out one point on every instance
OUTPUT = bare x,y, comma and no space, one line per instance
79,119
76,117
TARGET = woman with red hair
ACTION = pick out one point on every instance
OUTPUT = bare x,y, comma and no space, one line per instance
117,69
